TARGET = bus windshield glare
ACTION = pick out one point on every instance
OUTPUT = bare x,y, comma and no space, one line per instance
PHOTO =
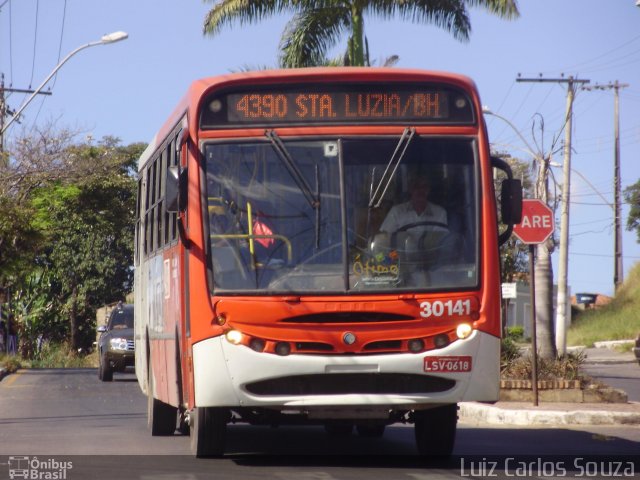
339,215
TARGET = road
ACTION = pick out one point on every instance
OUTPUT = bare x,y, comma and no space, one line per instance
622,375
69,415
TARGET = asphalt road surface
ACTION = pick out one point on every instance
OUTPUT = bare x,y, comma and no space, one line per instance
625,376
68,423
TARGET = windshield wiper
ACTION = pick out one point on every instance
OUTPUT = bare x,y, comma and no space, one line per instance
376,199
294,171
285,156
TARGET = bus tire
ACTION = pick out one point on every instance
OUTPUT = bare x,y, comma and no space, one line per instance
435,430
161,417
208,431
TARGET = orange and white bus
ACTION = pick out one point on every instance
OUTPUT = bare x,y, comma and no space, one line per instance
320,246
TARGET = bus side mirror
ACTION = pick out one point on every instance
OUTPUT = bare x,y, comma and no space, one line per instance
510,199
511,202
176,190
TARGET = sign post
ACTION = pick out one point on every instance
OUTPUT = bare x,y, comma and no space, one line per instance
536,227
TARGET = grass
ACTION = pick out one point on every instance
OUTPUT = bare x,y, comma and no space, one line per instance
620,320
10,363
51,356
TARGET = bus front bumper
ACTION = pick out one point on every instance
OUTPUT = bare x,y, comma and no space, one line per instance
236,376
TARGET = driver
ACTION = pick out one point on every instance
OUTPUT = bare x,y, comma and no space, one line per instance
417,210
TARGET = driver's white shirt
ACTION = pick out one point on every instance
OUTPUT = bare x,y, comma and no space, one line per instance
404,214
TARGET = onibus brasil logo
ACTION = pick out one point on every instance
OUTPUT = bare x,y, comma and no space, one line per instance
33,468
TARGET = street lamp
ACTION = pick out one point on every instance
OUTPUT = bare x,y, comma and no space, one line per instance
106,39
487,111
586,180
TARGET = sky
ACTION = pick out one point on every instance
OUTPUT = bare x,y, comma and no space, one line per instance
127,89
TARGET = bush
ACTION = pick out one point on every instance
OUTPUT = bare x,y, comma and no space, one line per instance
509,352
10,363
561,368
516,333
60,355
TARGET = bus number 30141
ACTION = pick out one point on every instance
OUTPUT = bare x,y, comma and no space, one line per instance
447,308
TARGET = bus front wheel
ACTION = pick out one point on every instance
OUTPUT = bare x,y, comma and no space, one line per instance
435,430
208,427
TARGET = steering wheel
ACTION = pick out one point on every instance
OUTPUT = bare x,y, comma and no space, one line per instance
425,223
432,243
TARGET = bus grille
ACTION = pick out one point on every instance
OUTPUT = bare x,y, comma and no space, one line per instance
349,317
351,383
390,345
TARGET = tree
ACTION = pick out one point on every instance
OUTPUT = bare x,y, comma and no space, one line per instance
544,272
514,255
543,269
632,197
319,25
90,224
80,206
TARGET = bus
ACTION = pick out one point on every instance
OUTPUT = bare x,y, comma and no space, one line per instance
320,247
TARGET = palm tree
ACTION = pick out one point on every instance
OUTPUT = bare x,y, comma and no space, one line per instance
318,25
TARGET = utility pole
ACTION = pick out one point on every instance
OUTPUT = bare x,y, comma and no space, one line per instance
618,272
4,110
563,264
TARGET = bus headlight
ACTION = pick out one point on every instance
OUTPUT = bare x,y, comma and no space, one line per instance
233,336
464,330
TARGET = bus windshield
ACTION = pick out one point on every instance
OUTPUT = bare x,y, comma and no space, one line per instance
342,215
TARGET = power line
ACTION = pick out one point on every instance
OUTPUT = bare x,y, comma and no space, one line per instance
10,43
64,16
584,65
4,110
602,255
35,44
55,79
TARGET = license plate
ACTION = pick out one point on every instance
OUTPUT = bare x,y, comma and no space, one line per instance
448,364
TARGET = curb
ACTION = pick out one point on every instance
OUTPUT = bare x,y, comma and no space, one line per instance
500,416
614,357
3,373
612,343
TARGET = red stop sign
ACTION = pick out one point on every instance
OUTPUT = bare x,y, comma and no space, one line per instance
537,223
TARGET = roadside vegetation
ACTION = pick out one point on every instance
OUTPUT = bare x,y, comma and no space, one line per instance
620,320
67,213
516,364
54,355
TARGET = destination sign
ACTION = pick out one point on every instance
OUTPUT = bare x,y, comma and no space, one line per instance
369,103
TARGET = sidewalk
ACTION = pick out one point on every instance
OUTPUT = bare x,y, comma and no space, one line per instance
604,352
521,413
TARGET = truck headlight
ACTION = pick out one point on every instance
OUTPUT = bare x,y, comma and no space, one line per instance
118,343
